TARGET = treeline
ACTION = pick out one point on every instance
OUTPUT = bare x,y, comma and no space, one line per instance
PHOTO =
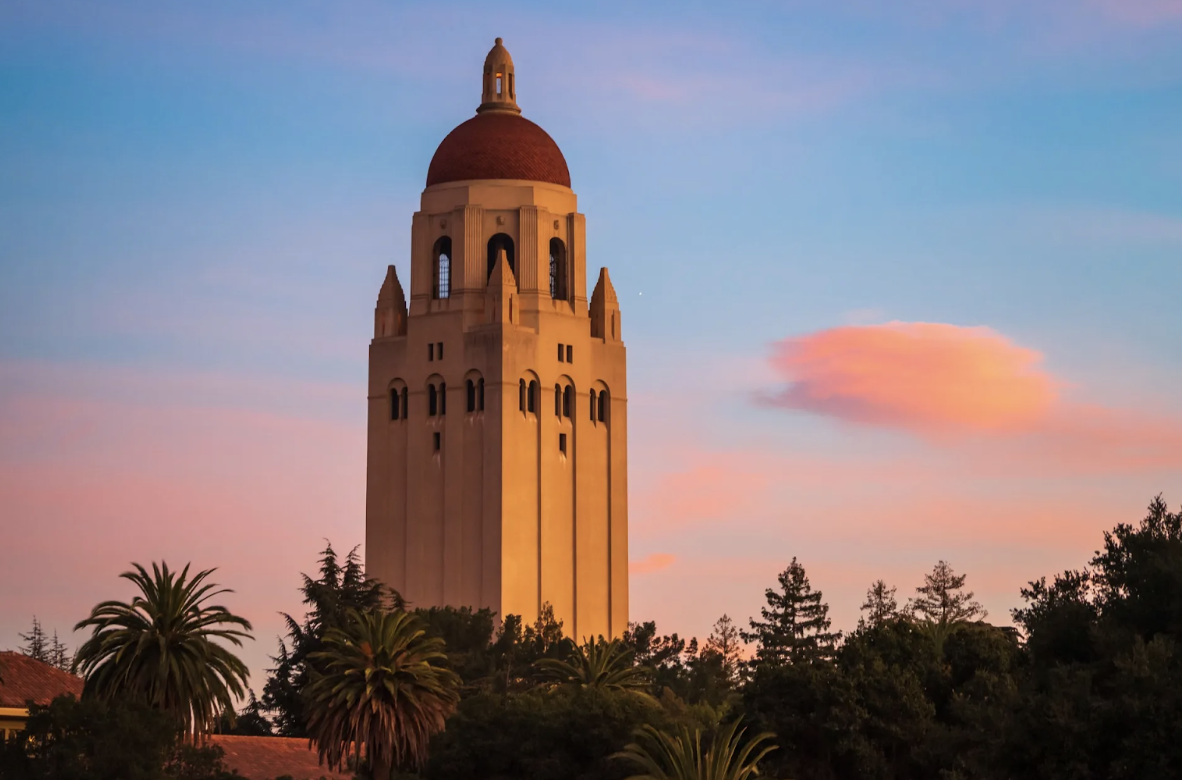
1086,684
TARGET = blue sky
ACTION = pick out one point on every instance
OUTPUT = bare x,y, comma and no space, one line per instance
197,205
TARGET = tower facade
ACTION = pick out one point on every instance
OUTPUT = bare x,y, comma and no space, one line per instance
497,459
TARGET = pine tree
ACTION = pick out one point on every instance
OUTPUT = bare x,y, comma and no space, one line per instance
36,647
940,599
880,605
59,654
795,624
724,640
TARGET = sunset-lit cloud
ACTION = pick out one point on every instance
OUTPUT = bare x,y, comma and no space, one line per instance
651,563
928,377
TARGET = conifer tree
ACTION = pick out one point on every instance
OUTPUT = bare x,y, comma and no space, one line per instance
940,599
880,605
59,654
724,640
795,625
36,646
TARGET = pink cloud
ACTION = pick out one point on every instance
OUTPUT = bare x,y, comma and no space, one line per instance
651,563
928,377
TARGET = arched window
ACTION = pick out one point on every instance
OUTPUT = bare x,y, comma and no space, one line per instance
394,411
480,394
521,394
592,406
557,400
471,387
432,401
558,269
495,245
405,408
532,397
603,406
441,268
568,400
443,398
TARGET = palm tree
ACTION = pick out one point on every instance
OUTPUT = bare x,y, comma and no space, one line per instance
160,649
660,756
383,694
598,663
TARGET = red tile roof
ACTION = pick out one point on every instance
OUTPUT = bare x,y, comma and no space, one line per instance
498,145
25,679
261,758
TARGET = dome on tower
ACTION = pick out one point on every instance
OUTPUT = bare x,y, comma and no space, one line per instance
498,143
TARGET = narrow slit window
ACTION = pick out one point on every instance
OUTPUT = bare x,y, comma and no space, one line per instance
471,388
558,285
432,401
532,399
603,402
499,84
436,440
592,406
561,353
521,395
405,408
442,398
439,350
441,268
557,400
431,351
570,354
480,394
568,400
394,404
562,443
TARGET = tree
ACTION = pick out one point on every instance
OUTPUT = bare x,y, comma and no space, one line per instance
160,649
940,599
680,756
59,655
724,640
880,605
105,740
598,663
36,647
338,589
383,693
795,625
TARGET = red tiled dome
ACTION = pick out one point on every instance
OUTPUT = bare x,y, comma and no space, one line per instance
498,145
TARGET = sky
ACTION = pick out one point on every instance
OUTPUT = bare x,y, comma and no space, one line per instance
899,281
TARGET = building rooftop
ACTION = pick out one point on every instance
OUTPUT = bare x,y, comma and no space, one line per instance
25,679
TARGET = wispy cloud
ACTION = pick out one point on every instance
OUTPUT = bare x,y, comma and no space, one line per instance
651,563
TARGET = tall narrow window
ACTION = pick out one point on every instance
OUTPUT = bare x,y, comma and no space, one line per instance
562,443
568,400
561,353
394,404
439,350
570,353
432,401
405,408
443,398
441,268
557,269
436,440
499,86
592,406
557,400
471,387
603,404
532,399
431,351
521,394
495,245
480,394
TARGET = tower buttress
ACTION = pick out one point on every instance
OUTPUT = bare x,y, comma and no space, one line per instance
501,299
389,317
605,309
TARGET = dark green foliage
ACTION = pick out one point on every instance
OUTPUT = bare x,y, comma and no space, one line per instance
105,740
251,721
561,734
329,598
795,625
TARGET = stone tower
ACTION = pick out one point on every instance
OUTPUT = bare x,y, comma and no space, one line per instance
497,463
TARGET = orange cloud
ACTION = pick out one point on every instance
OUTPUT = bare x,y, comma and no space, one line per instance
651,563
927,377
